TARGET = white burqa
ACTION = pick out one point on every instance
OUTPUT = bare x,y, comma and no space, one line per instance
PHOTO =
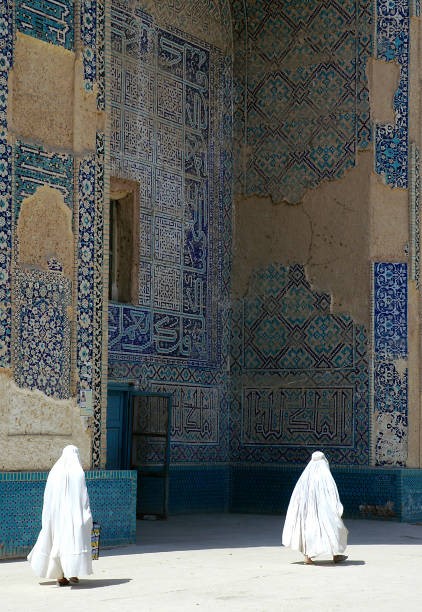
313,522
63,547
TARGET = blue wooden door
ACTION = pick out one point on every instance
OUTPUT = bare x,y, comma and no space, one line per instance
117,410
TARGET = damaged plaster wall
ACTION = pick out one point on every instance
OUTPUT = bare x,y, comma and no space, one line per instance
337,230
44,230
35,428
51,111
328,233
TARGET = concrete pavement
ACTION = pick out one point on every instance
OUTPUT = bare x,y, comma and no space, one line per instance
232,562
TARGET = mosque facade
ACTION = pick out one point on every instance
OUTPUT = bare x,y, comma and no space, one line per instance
209,254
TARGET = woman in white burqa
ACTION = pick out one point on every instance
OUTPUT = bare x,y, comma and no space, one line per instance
63,548
313,522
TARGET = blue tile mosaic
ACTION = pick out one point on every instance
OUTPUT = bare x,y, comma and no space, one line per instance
99,363
34,167
88,30
6,59
390,372
300,377
302,93
48,20
89,358
171,132
112,494
199,489
365,492
42,331
391,141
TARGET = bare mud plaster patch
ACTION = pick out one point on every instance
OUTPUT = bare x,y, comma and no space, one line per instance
27,440
401,367
44,230
41,88
42,417
389,220
86,118
383,79
328,233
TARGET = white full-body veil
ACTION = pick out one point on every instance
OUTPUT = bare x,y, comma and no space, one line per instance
313,522
63,547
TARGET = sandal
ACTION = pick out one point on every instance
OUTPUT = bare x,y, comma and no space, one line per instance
308,561
339,558
62,582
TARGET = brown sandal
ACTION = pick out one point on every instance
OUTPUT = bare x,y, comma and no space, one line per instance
63,582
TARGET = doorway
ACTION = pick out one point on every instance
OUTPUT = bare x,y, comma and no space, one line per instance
138,438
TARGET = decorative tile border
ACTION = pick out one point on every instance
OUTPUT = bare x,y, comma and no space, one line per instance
391,141
48,20
390,370
6,59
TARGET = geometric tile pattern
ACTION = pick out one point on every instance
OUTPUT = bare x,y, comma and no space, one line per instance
162,136
292,328
393,25
6,57
200,403
172,132
390,362
42,332
303,100
305,384
48,20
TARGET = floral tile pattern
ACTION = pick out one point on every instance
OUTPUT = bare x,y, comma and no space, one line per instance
390,362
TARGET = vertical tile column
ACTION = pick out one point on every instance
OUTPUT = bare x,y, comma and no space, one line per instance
390,368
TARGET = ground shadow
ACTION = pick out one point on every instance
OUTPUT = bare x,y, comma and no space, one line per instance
91,583
328,563
223,531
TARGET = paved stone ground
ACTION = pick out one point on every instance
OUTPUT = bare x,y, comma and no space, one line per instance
232,562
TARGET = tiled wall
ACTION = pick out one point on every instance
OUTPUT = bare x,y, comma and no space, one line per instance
302,96
42,300
392,45
300,375
171,132
364,492
390,368
112,499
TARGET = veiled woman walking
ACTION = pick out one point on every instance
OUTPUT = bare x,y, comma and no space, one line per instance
313,522
63,547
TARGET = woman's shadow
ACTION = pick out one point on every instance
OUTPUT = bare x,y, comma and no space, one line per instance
93,583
